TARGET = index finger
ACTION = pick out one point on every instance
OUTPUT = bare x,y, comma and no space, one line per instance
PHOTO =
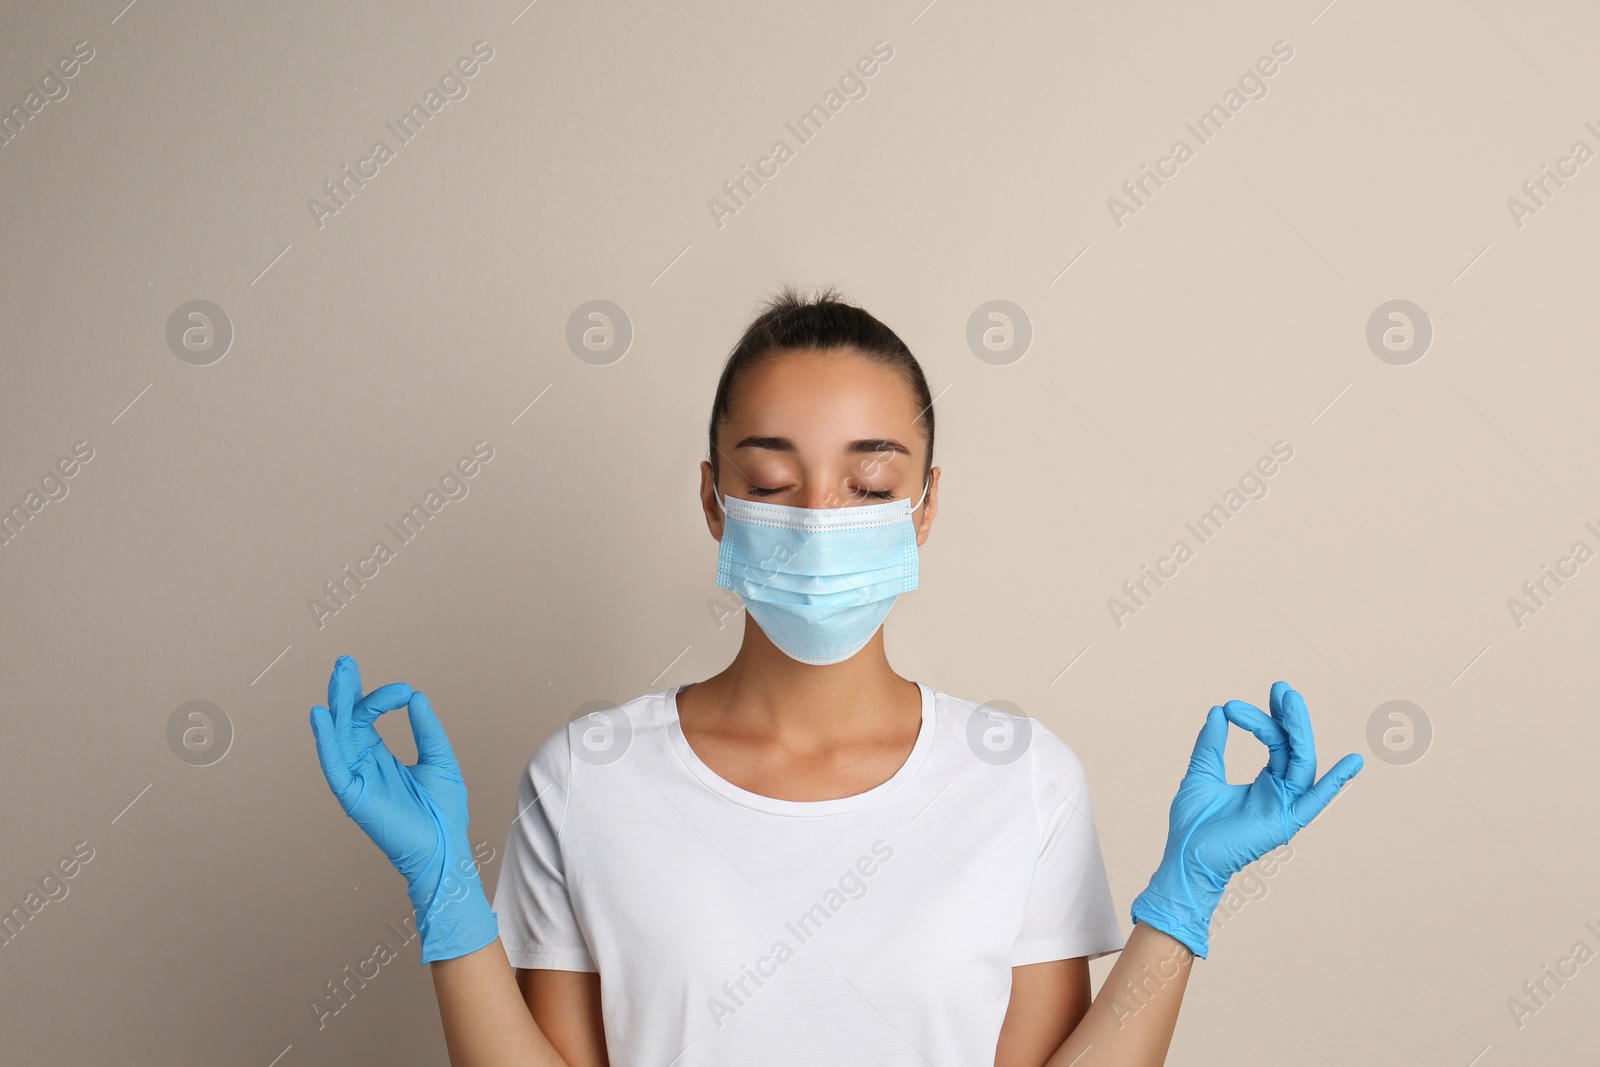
366,711
1267,731
389,697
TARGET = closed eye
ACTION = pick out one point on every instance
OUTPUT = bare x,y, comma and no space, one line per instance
876,494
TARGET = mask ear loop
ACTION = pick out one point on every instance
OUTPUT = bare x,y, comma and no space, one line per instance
927,482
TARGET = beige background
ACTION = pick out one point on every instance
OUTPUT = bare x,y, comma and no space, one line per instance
369,355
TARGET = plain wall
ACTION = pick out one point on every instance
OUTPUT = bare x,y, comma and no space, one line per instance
1171,347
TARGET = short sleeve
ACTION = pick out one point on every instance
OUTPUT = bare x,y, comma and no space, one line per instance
1069,911
538,926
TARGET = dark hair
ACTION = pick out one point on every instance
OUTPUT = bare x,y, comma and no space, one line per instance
791,322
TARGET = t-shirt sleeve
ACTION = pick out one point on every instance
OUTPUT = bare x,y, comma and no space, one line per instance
1069,911
538,926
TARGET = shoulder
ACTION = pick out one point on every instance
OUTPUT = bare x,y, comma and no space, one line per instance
1053,758
1002,735
1005,733
599,733
556,776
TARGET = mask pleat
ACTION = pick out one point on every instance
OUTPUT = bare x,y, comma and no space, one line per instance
818,583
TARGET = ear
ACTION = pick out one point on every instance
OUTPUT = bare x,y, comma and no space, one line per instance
930,507
708,501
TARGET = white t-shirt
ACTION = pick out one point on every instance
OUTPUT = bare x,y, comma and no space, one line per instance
732,928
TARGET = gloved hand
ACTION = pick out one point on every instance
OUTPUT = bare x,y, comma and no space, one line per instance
417,815
1216,829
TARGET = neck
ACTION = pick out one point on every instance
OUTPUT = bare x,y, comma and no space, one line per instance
765,690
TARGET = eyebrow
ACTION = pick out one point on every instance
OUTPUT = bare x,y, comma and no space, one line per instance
868,445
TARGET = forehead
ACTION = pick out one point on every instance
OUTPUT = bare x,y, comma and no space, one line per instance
821,394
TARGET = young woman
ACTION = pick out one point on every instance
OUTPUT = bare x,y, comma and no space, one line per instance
807,859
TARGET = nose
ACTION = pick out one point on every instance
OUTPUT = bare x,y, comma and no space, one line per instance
817,495
829,492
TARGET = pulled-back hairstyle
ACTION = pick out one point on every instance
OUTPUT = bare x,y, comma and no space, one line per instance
789,322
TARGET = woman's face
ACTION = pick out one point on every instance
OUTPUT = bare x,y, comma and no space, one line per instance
815,429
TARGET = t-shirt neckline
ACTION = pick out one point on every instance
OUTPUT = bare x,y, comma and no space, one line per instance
838,805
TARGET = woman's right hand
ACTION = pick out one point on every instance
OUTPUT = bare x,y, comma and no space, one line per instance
416,815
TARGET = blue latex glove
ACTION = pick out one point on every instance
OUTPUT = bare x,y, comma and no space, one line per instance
1216,829
417,815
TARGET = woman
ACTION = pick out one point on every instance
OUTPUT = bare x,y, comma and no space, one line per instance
806,858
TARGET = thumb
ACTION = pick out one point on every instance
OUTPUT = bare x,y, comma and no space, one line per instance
433,745
1310,803
1208,758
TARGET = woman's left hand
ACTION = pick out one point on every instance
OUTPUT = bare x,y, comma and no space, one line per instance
1216,829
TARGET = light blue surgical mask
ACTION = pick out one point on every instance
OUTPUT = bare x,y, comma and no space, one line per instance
818,581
